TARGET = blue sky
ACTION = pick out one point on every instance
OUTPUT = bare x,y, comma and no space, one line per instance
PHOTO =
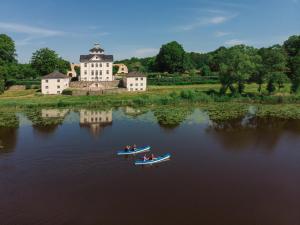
138,28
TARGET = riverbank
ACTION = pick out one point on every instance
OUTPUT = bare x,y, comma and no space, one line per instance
156,95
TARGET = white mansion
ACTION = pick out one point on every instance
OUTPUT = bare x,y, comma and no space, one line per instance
96,66
96,74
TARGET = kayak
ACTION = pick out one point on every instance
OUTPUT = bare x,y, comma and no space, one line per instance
156,160
136,151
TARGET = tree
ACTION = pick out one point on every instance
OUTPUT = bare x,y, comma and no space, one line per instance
45,61
273,67
292,47
7,50
2,85
236,65
172,58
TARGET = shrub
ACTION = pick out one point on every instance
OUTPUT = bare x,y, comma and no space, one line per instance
67,92
2,86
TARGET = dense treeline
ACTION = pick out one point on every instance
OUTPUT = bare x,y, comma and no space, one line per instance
42,62
235,66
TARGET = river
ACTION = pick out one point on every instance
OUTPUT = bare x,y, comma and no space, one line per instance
59,166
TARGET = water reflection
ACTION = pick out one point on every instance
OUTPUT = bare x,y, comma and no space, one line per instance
95,120
46,121
8,139
257,133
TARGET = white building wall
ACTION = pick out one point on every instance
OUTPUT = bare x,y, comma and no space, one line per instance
54,86
96,71
136,83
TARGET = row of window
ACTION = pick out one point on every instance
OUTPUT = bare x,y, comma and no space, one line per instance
142,78
58,80
96,78
96,119
137,84
47,87
96,72
96,64
141,89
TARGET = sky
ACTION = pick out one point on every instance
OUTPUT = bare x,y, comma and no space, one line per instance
138,28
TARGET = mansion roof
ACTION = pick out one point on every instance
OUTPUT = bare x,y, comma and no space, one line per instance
102,58
135,74
55,75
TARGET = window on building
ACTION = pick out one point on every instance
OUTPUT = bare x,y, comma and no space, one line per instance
58,87
141,89
136,78
142,78
107,71
141,84
85,65
97,63
46,81
100,72
96,72
46,87
58,92
92,72
107,64
92,64
85,72
107,78
131,89
131,85
136,89
136,84
58,80
100,64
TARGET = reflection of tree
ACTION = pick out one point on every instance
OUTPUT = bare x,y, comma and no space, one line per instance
8,139
134,112
9,124
236,134
46,121
95,120
170,118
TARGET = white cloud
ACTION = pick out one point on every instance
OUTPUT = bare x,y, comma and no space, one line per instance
31,33
206,21
145,52
233,42
222,33
30,30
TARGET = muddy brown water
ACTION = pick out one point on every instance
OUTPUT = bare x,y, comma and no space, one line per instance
228,173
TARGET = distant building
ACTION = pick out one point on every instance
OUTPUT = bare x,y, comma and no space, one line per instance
135,81
122,68
72,73
96,66
54,83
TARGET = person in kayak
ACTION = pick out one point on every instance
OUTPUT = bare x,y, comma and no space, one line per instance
146,158
127,148
152,157
133,147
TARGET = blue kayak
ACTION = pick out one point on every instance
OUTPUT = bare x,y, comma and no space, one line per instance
136,151
156,160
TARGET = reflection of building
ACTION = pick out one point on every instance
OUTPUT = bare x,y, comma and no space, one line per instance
135,81
96,66
8,139
95,120
54,83
54,113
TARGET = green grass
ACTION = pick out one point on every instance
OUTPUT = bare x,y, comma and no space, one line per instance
156,95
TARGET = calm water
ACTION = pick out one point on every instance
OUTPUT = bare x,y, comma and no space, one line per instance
241,172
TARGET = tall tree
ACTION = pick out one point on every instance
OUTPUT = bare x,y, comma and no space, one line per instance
292,47
273,68
172,58
7,50
236,65
45,61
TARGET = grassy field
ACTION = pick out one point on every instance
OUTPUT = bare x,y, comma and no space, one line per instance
159,95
